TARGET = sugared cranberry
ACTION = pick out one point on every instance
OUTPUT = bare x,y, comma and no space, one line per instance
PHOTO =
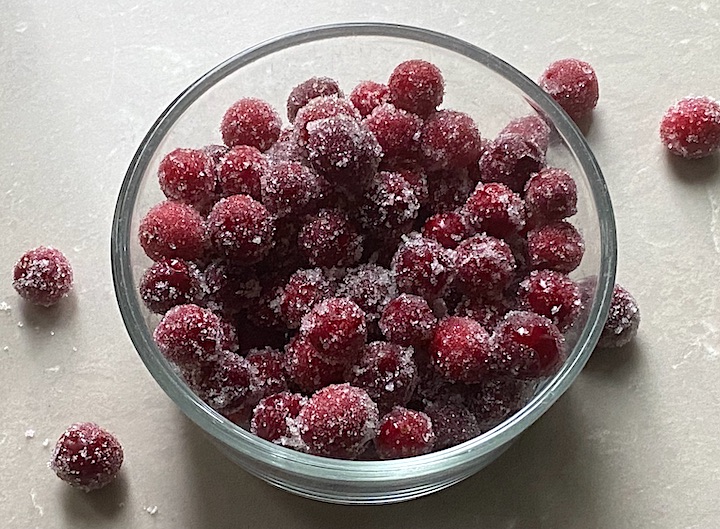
216,153
396,130
241,229
553,295
422,266
573,85
367,95
188,335
417,178
496,210
453,423
42,276
302,291
240,170
449,228
230,290
533,128
387,372
496,399
251,121
371,287
488,312
448,189
308,370
321,108
528,346
265,312
336,328
227,384
291,189
338,421
408,320
450,140
404,433
87,456
286,149
557,246
390,203
267,366
484,264
172,229
310,89
460,350
623,319
550,195
691,127
417,86
187,175
275,416
170,282
229,339
328,240
510,159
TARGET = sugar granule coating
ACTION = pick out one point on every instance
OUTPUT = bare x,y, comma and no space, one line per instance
416,176
417,86
172,229
187,175
251,121
533,128
241,229
511,159
460,350
495,209
448,189
453,423
189,335
389,204
367,95
623,319
408,320
422,266
170,282
291,189
484,264
449,228
310,89
404,433
573,85
239,171
396,130
553,295
87,456
308,370
496,399
230,290
227,384
328,239
691,127
337,328
275,419
487,312
42,276
528,346
550,195
338,421
370,286
267,366
321,108
557,246
450,140
387,372
304,289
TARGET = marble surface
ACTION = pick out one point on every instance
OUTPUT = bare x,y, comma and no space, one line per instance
634,443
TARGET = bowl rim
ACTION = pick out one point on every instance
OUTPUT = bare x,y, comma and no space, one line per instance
241,440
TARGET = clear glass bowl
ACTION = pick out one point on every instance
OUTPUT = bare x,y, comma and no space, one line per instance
477,82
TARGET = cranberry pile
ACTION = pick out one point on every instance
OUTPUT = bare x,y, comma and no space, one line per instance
375,280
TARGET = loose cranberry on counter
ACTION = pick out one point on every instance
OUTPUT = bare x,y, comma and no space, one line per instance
43,276
573,85
691,127
623,319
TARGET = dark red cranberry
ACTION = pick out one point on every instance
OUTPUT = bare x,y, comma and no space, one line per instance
453,423
310,89
308,370
188,335
550,195
496,210
497,399
417,86
553,295
170,282
336,328
291,189
321,108
370,286
302,291
173,230
533,128
251,121
573,85
422,266
448,190
557,246
273,416
396,130
623,319
460,350
404,433
241,229
390,204
230,290
449,228
691,127
328,240
367,95
408,320
488,311
511,159
43,276
267,366
484,264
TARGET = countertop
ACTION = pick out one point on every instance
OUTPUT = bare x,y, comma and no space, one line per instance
634,442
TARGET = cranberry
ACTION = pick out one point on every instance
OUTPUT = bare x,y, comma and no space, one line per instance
528,346
321,108
87,456
286,149
423,267
229,340
240,170
496,210
623,319
449,228
170,282
511,159
230,290
488,312
336,328
553,295
550,195
573,85
691,127
251,121
453,423
188,335
241,229
448,190
43,276
417,178
367,95
227,384
215,153
308,370
460,350
266,310
310,89
484,264
371,287
396,130
186,175
328,239
404,433
267,366
338,421
390,203
497,399
450,140
387,372
417,86
557,246
275,416
291,189
302,291
533,128
408,320
172,229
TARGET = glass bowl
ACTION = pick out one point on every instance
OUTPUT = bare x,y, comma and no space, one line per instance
478,83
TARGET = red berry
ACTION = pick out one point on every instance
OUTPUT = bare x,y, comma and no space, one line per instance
496,210
240,170
170,282
390,204
387,372
42,276
241,229
460,350
484,264
338,421
291,189
510,159
404,433
230,290
308,370
227,384
623,319
286,149
557,246
172,229
450,140
266,310
188,335
328,240
267,366
488,312
497,399
528,346
422,266
453,423
691,127
274,418
408,320
449,228
573,85
87,456
229,340
417,178
553,295
396,130
448,189
302,291
367,95
550,195
310,89
336,328
371,287
187,175
532,128
321,108
417,86
251,121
